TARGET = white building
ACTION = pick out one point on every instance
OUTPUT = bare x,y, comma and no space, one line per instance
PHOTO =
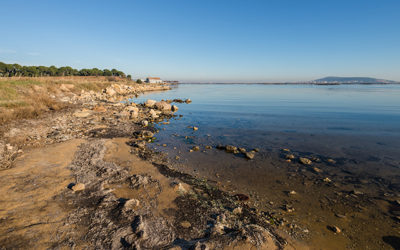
154,80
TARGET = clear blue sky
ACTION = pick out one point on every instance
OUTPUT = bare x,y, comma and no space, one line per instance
207,40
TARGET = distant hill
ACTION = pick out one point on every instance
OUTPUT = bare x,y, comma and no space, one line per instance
336,79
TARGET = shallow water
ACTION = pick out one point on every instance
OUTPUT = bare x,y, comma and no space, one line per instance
357,126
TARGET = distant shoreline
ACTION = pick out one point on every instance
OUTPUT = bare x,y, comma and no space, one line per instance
290,83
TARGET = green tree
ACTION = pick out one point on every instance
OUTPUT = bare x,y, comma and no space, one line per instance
107,72
8,70
139,81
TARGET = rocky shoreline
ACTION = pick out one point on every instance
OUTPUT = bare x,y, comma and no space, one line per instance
110,191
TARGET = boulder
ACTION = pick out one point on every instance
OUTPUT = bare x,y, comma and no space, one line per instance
110,91
132,109
145,123
131,204
78,187
174,108
82,114
153,114
230,149
163,106
146,134
150,103
99,108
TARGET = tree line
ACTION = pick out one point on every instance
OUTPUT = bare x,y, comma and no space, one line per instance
8,70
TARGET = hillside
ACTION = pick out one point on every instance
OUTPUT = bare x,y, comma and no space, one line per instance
368,80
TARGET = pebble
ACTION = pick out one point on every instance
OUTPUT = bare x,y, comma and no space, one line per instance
185,224
335,229
317,170
237,210
208,147
195,148
327,180
195,128
288,208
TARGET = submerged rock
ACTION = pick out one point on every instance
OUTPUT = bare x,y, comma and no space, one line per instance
332,161
290,156
250,155
305,161
327,180
230,148
146,133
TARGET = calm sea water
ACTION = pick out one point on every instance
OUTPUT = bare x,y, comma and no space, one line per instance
363,109
358,126
340,109
359,122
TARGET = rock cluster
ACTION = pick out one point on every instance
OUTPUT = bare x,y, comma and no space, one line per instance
238,151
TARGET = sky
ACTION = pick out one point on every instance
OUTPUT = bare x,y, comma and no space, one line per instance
207,40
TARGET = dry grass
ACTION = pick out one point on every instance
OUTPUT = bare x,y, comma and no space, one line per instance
29,97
